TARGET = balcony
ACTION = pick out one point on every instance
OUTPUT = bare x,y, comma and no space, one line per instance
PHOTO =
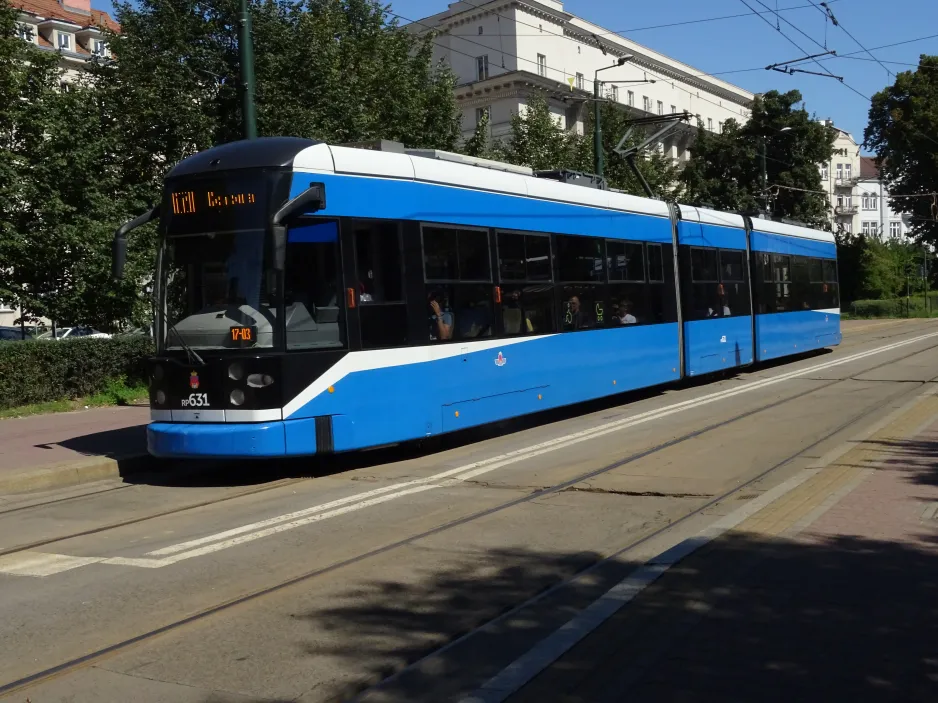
845,182
846,210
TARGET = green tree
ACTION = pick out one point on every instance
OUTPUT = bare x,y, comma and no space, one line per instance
334,70
725,170
538,140
903,132
657,168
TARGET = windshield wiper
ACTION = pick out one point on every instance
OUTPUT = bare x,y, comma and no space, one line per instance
190,352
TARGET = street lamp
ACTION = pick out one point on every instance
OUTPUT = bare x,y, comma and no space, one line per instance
597,127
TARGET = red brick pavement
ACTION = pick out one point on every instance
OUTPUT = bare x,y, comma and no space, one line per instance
41,440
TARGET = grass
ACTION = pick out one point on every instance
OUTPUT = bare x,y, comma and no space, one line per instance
117,392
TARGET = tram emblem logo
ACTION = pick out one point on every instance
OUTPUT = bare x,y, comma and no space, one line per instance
500,360
193,380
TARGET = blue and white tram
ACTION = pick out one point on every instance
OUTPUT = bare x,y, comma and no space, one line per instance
317,299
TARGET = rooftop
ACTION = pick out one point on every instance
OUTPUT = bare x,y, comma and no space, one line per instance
78,12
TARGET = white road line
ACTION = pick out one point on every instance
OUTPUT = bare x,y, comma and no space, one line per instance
510,679
40,564
280,523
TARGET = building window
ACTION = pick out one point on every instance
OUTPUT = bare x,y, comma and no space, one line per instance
480,29
847,169
660,108
840,172
895,229
869,227
631,99
869,201
614,94
646,103
571,117
579,81
673,109
482,67
65,41
848,227
720,127
25,32
483,112
65,87
709,124
99,48
825,172
541,65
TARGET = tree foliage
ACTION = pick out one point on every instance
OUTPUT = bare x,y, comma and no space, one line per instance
903,133
536,139
75,165
725,170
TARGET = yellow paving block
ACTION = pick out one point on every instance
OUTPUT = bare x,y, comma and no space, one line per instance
781,515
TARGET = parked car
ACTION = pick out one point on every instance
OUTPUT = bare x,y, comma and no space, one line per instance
74,333
15,334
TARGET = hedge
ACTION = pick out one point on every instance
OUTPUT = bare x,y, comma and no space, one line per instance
43,370
896,307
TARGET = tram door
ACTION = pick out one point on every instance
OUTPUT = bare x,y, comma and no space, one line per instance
716,305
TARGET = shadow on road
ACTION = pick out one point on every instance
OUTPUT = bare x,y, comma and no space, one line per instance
746,619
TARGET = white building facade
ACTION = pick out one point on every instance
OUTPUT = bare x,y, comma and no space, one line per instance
876,215
858,199
505,51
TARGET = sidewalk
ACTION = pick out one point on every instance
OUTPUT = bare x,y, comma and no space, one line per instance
45,451
830,593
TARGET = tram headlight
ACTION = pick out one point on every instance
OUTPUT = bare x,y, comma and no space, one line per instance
237,397
258,380
236,371
157,372
160,398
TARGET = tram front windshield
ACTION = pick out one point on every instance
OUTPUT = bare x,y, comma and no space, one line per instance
221,291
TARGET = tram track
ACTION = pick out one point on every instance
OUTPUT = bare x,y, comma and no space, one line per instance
906,389
287,481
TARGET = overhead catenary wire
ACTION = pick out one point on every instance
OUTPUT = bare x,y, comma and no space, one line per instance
828,14
668,25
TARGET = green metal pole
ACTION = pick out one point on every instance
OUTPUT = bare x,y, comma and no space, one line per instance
765,179
597,129
246,55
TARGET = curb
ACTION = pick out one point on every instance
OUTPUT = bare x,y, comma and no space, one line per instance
73,473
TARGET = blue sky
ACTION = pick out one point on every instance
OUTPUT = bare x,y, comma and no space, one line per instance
749,42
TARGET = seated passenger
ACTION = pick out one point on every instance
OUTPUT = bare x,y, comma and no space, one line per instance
624,315
441,320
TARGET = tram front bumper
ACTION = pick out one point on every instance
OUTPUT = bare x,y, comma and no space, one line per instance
219,440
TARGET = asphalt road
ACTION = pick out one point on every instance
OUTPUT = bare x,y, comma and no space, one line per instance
405,573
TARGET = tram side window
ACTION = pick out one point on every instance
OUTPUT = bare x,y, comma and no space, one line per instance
734,288
312,296
830,280
378,265
458,274
802,291
626,293
524,269
705,282
781,284
655,291
582,272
